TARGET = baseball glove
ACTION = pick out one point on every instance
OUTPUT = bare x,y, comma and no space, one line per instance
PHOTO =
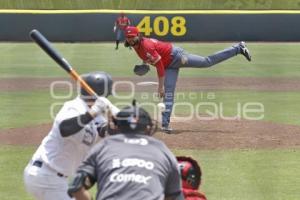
141,70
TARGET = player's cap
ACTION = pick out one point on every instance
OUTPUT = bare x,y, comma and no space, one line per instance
131,31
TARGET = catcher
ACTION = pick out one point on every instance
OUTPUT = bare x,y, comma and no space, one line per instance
130,164
168,59
191,178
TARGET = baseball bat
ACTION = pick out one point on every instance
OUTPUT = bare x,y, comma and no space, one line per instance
42,41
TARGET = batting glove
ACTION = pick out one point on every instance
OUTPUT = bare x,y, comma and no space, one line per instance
100,106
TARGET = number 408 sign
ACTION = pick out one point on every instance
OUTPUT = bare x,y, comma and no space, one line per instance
162,26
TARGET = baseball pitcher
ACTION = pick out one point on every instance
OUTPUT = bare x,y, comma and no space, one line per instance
168,59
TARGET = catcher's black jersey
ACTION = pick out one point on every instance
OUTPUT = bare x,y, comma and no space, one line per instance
133,167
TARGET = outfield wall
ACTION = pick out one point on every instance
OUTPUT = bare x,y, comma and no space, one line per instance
97,25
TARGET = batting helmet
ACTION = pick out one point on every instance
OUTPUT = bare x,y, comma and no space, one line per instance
190,172
131,31
134,120
100,82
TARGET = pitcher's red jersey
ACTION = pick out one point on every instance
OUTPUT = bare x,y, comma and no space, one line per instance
156,53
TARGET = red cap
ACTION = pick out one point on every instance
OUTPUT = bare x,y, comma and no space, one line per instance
131,31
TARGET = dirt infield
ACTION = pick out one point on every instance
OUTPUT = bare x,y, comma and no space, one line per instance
204,135
186,84
193,134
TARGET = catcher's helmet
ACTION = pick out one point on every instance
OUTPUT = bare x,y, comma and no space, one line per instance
100,82
190,172
134,120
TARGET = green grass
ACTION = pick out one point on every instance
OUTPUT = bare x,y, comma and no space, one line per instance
28,60
18,109
228,175
12,163
278,107
249,174
267,60
147,4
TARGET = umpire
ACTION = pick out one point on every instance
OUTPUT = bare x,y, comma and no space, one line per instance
130,164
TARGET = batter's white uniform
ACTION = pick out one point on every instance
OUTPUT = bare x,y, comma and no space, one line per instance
58,157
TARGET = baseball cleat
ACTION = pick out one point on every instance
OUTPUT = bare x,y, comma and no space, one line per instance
245,51
166,129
